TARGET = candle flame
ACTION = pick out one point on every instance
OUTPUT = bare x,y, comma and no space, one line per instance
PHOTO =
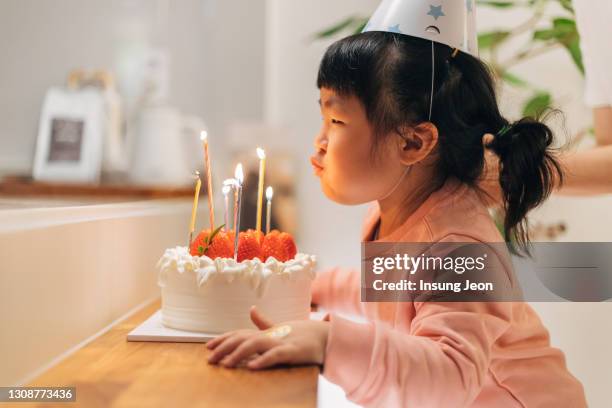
261,153
197,174
203,135
239,174
226,189
269,193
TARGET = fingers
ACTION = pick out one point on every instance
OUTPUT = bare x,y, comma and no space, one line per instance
259,320
277,355
227,346
211,344
248,348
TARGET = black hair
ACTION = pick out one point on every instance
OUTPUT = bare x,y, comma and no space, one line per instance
391,75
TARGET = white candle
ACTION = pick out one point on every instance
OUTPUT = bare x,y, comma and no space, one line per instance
231,184
226,190
269,194
239,175
262,169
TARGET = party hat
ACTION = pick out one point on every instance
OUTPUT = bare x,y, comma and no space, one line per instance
450,22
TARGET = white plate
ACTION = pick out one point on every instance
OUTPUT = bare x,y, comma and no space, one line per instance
152,329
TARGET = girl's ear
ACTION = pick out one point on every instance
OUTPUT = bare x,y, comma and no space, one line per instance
417,142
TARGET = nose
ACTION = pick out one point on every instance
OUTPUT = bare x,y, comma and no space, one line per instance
320,141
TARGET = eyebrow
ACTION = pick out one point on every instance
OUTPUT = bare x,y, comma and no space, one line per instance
331,102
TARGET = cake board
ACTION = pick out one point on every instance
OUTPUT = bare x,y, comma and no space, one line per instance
152,329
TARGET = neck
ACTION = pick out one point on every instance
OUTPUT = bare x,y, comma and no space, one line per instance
405,200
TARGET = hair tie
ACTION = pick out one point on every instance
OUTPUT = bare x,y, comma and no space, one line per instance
503,130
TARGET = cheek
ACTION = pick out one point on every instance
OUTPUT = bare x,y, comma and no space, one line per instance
351,174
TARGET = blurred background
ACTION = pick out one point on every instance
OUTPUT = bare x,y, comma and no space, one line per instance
103,102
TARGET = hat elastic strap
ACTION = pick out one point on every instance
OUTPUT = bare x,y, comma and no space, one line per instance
433,70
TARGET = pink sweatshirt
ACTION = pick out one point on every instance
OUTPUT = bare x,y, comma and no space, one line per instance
441,354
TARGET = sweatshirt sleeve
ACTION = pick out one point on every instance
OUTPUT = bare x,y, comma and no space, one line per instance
441,361
338,290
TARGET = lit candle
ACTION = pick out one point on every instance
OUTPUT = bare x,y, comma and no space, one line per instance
226,190
239,175
230,183
194,208
262,169
211,208
269,194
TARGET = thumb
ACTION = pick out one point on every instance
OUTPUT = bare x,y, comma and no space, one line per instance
260,320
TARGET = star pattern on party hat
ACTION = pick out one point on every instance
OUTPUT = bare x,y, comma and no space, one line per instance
450,22
395,29
435,11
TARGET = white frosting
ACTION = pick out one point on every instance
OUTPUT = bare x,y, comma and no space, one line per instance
253,270
215,295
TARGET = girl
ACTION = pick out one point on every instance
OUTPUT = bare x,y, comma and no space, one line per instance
383,141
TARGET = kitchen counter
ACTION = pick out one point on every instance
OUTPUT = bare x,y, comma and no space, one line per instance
71,269
112,372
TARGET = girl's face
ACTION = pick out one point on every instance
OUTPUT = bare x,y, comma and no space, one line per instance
343,161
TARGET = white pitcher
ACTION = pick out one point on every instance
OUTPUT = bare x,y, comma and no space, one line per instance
163,149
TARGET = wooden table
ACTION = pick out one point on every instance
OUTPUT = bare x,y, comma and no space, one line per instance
112,372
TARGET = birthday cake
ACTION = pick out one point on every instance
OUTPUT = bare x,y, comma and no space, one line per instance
205,288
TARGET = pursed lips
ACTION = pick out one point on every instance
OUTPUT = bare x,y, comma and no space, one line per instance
317,166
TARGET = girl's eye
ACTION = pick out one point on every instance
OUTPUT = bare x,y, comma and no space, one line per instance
337,122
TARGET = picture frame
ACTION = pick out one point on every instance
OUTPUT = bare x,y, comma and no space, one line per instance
69,146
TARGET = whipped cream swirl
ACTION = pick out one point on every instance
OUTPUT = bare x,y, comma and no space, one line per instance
254,270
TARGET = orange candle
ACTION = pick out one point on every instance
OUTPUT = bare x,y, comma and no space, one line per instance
194,208
211,206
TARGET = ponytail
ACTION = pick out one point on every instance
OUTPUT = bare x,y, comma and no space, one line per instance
528,172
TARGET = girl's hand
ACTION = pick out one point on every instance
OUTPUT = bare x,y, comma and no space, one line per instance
305,344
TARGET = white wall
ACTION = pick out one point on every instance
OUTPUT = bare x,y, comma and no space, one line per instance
216,51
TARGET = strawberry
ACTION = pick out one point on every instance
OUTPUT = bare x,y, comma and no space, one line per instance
221,246
279,245
198,244
217,244
258,234
248,245
271,246
288,245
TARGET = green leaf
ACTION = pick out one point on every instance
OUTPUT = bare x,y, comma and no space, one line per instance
491,38
537,104
563,29
576,54
564,32
497,4
210,237
336,28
